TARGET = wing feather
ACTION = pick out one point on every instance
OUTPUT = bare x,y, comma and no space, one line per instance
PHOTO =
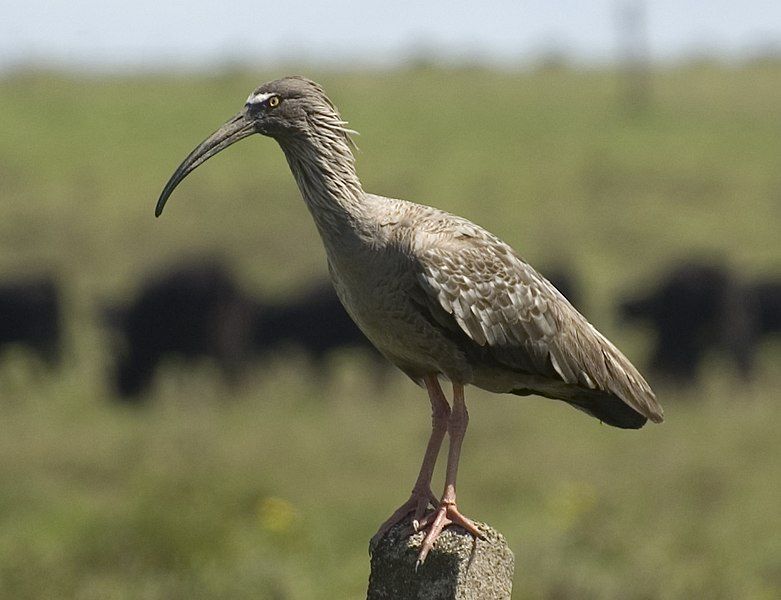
505,307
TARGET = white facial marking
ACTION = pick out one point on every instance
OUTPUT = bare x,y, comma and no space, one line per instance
258,98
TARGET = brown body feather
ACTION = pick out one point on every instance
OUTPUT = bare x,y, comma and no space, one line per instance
521,334
435,293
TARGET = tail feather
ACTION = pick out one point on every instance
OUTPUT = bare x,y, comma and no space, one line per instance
609,409
606,407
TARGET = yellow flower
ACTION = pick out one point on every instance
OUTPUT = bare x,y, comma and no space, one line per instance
276,514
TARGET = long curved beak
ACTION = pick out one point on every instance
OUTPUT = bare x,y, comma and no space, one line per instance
231,132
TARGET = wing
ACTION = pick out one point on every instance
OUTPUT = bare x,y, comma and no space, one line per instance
477,284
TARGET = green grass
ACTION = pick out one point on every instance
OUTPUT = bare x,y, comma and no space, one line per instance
275,493
273,490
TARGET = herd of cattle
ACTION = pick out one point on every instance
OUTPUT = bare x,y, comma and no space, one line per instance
198,310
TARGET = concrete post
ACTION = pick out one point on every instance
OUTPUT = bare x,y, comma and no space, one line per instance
458,568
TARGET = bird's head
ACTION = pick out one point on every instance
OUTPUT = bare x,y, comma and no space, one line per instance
284,109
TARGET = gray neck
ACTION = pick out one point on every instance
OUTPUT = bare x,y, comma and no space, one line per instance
324,169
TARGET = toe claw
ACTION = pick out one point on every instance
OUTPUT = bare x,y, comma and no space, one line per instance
465,522
445,513
435,522
425,549
417,506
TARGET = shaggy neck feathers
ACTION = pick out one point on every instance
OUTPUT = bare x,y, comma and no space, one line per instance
322,162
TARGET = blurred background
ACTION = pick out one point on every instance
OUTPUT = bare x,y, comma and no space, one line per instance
185,412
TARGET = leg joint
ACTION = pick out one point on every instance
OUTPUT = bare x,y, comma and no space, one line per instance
458,421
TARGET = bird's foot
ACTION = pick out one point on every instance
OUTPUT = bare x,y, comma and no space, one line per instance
417,505
446,514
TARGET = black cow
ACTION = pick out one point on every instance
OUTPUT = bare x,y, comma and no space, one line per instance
695,308
197,310
763,300
314,322
194,310
31,316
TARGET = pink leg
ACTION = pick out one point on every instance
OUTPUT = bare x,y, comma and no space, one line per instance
447,513
421,496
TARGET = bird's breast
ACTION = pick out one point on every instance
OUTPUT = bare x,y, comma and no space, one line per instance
377,287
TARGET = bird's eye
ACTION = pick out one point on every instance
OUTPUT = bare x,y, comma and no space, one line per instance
273,102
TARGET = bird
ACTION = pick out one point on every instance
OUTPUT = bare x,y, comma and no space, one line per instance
440,297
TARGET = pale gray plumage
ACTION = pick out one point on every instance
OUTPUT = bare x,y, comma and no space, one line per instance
433,291
437,295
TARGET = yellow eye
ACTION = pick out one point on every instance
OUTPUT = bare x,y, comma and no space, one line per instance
273,101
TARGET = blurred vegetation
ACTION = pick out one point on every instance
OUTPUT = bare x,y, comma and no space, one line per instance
272,490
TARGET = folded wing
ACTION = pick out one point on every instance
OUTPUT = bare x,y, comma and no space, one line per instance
479,286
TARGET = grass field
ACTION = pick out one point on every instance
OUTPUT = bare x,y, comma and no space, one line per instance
272,490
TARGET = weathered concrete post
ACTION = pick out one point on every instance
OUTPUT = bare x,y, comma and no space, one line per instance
458,568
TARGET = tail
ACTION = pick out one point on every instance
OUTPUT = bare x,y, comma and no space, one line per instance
608,408
614,391
604,406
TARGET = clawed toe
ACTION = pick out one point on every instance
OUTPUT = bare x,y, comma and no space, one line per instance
418,505
446,514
